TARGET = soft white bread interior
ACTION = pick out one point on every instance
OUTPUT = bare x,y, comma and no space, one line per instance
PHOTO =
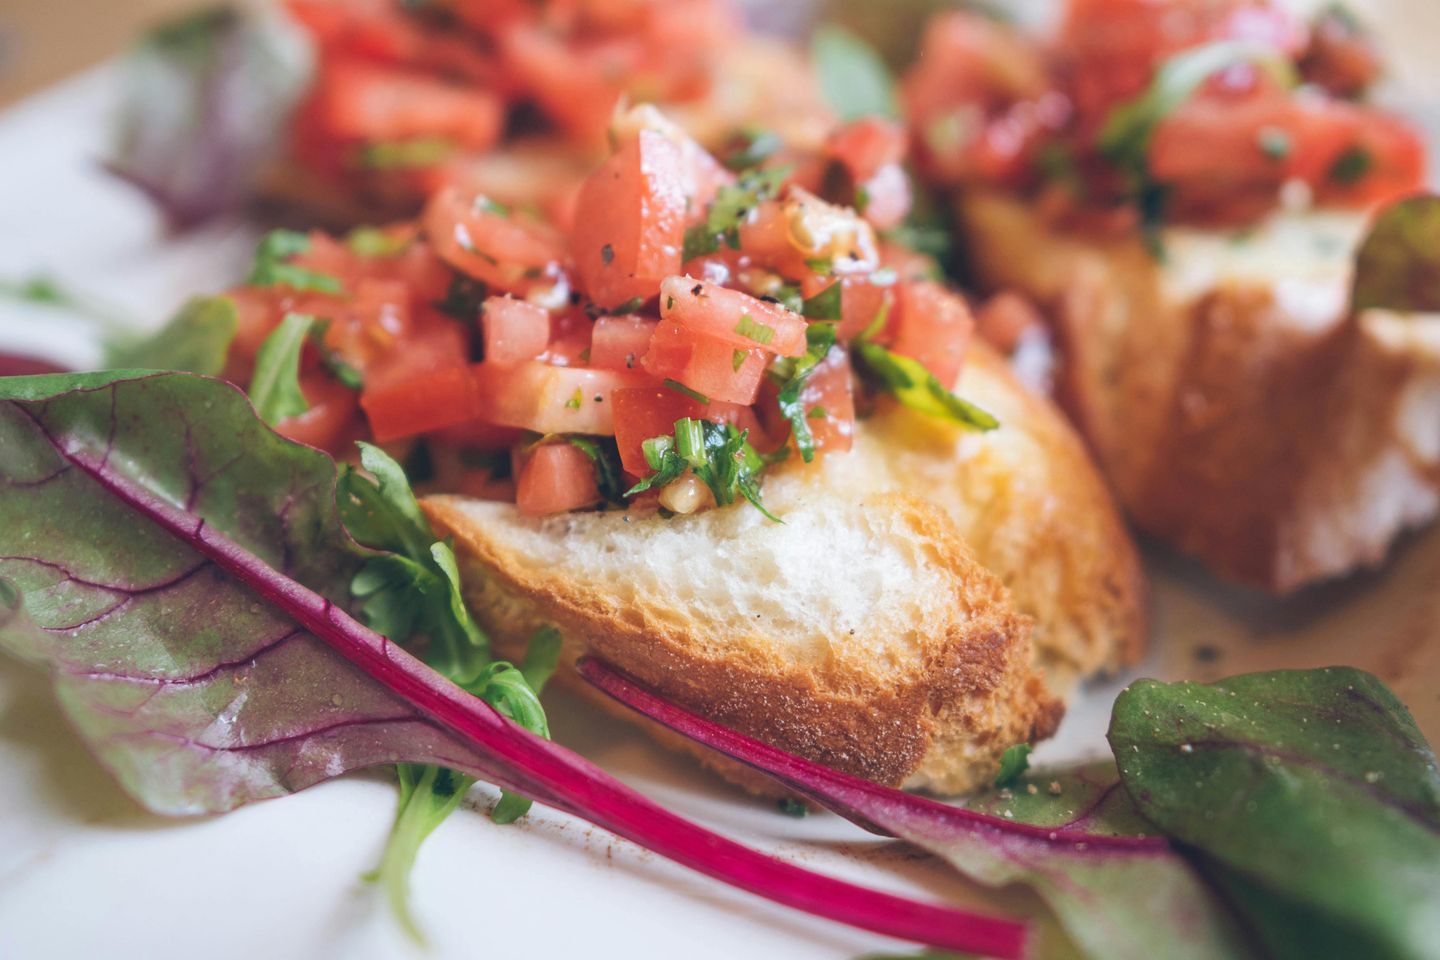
860,634
873,630
1241,411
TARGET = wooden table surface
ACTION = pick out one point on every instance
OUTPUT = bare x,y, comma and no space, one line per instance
42,41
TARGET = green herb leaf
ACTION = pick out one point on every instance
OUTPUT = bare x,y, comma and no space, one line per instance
405,154
732,204
196,340
825,305
272,268
820,338
275,387
757,147
917,388
606,457
374,242
1398,266
853,79
719,454
1013,762
680,388
1310,797
1352,166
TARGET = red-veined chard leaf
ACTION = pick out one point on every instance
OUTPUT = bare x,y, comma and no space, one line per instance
1310,796
1398,266
206,103
1118,897
182,572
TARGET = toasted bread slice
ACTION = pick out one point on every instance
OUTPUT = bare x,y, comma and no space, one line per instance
1241,410
868,630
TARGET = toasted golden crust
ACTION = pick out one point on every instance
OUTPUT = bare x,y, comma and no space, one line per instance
1281,441
939,718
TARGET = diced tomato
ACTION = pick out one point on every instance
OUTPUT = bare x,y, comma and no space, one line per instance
404,408
578,87
620,343
473,236
932,325
630,221
642,413
866,145
732,317
439,345
1005,318
329,422
371,103
513,329
707,364
478,435
556,477
550,399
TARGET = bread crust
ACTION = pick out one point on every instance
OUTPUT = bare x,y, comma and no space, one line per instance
940,723
1279,448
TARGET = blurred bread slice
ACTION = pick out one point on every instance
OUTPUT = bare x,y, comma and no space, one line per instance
1241,411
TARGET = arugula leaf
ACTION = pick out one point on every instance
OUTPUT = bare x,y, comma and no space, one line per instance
196,340
275,387
917,388
1310,797
732,204
331,360
853,79
819,338
1398,265
272,268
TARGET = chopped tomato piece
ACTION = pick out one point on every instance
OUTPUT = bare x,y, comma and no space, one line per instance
513,330
866,145
932,325
577,87
829,402
556,477
620,343
550,399
863,304
372,103
732,317
420,404
709,365
329,422
476,237
437,346
630,221
1005,318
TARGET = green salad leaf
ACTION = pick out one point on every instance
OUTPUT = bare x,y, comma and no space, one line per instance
272,265
275,386
196,340
820,339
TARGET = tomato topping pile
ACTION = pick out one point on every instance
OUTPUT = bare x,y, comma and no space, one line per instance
692,327
407,93
1196,111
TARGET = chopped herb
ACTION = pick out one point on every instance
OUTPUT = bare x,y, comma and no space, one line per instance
917,388
1013,762
1276,143
757,147
752,329
791,807
819,338
1352,166
404,154
603,452
607,254
272,268
737,359
374,242
817,413
825,305
732,204
853,79
669,302
275,386
822,265
719,454
484,204
464,298
679,387
576,399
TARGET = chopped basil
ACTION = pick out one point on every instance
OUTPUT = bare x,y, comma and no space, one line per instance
1352,166
272,268
576,399
819,338
404,154
737,360
752,329
825,305
606,457
917,388
757,147
679,387
374,242
464,298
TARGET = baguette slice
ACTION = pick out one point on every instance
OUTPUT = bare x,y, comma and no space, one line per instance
868,630
1241,410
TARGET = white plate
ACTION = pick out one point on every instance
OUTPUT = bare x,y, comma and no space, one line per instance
85,873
